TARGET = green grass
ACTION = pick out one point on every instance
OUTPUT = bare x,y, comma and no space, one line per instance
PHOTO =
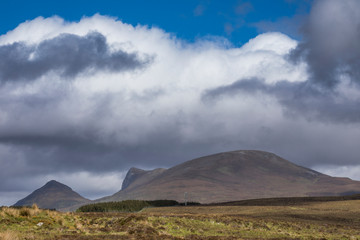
320,220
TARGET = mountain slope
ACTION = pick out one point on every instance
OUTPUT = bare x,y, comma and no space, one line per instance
233,176
136,176
53,195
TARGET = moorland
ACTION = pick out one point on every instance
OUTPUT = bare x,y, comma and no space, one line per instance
287,219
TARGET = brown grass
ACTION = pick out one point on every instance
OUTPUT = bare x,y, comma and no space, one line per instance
10,211
17,212
312,221
9,235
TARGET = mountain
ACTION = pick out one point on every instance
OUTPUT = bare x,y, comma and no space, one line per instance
138,177
231,176
53,195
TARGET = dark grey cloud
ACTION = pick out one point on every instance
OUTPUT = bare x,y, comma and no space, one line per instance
331,50
44,132
299,99
331,45
67,55
73,150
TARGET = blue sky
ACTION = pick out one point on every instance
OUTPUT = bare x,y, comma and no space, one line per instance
86,95
235,20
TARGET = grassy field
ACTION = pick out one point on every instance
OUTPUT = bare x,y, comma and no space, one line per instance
314,220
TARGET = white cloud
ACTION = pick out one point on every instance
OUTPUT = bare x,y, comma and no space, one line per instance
351,171
179,74
91,128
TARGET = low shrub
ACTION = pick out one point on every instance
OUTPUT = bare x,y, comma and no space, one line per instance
24,212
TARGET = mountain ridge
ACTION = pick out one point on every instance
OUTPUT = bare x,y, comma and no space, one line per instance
222,177
53,195
236,175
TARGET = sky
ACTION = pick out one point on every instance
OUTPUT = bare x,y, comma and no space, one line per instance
90,89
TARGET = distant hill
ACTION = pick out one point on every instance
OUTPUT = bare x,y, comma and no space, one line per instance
231,176
53,195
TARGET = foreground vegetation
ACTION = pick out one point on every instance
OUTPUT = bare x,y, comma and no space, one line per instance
317,220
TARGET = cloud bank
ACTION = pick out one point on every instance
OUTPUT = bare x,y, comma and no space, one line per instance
99,96
331,46
67,55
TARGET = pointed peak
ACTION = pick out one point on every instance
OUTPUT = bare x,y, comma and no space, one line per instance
135,170
56,184
131,175
52,195
51,182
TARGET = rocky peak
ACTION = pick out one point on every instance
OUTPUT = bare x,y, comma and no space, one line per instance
131,176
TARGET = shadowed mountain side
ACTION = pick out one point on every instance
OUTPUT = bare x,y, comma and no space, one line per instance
232,176
136,177
53,195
